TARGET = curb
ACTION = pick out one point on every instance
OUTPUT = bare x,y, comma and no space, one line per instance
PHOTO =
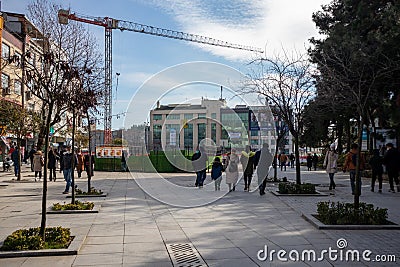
319,225
95,209
318,194
85,196
72,249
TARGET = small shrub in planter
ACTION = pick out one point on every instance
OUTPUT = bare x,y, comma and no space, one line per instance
293,188
339,213
92,191
29,239
77,206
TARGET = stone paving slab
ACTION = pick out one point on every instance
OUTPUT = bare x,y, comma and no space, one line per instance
132,228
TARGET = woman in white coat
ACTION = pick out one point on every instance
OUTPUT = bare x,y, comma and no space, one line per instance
232,170
330,163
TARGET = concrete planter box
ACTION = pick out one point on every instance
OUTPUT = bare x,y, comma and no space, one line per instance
319,225
72,249
95,209
85,196
318,194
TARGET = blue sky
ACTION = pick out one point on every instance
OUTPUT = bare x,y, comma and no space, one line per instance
268,24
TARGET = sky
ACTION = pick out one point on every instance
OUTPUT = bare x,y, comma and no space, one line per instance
272,25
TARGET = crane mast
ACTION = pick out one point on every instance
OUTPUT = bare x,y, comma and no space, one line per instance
110,24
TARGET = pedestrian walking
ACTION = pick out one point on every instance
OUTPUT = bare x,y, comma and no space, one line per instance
350,165
216,173
309,161
52,158
376,162
15,157
392,162
199,162
263,168
63,150
315,159
232,170
89,168
67,168
330,163
38,163
80,165
283,160
292,159
31,153
246,159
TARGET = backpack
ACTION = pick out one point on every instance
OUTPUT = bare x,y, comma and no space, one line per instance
216,171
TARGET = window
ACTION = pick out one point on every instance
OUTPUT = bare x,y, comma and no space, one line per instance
254,133
157,135
17,87
201,116
30,107
173,116
5,51
188,136
172,134
214,116
214,132
157,117
5,83
188,116
201,132
17,59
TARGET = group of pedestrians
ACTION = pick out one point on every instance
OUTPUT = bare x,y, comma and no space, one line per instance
286,160
66,159
391,161
250,161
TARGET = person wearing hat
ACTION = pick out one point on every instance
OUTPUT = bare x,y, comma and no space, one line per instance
330,163
38,163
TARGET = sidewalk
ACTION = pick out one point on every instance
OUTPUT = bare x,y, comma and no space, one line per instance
133,229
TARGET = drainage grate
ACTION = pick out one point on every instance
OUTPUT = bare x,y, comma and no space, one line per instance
185,255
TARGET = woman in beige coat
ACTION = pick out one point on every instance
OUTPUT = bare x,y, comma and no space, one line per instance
38,163
232,170
330,163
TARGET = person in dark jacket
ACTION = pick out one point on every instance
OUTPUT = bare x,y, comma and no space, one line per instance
15,157
315,161
89,168
216,173
392,161
199,162
309,162
376,162
51,163
247,161
31,153
67,168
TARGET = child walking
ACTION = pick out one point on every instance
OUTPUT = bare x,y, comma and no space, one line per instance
216,173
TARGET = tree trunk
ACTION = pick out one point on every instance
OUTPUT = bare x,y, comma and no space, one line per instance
348,137
19,159
357,193
89,168
73,158
297,155
46,147
340,137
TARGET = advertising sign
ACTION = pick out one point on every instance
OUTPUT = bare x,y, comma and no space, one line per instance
109,151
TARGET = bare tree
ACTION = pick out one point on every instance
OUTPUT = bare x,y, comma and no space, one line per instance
68,53
287,83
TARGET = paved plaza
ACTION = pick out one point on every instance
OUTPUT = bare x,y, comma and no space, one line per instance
134,229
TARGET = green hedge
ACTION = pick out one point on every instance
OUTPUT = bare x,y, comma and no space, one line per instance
29,239
293,188
339,213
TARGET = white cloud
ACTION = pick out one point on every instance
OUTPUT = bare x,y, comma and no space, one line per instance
268,24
